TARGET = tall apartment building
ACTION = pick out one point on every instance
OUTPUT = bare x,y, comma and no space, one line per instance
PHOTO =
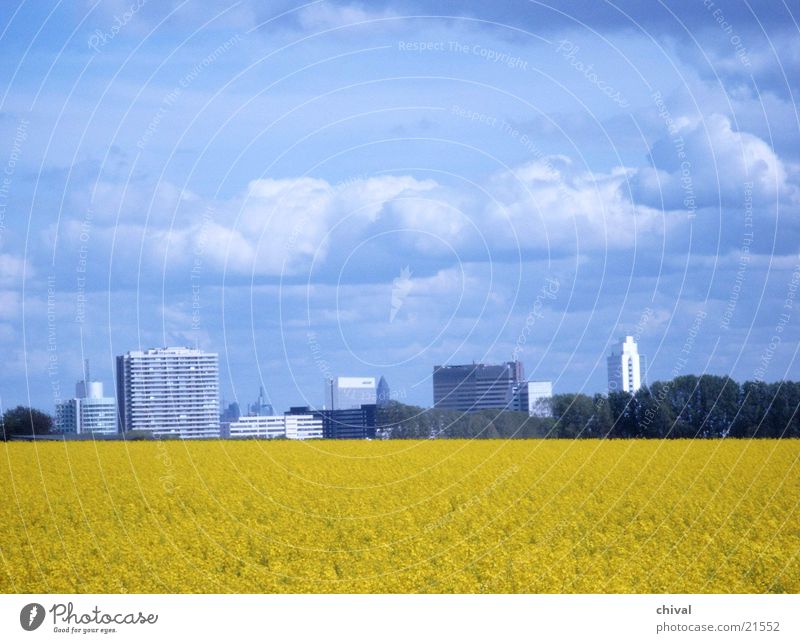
349,392
89,412
472,387
625,367
533,398
169,392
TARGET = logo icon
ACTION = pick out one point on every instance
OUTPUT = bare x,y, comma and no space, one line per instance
31,616
401,286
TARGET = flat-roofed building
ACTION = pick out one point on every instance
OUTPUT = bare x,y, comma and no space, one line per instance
169,392
258,426
303,424
350,424
349,392
89,412
472,387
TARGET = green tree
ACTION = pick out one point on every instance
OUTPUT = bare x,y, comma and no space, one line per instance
573,413
25,421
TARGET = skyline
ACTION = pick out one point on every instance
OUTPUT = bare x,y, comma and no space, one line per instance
371,187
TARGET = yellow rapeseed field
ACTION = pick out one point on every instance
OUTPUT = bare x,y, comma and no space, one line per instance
400,516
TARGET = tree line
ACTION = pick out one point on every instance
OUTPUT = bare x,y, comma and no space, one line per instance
708,406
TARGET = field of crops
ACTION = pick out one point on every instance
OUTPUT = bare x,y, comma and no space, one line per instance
400,516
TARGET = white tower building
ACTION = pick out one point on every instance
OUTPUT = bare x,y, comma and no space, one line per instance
625,367
88,412
170,392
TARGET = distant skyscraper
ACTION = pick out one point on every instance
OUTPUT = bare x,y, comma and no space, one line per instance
625,367
533,398
472,387
88,412
383,393
349,392
169,391
261,406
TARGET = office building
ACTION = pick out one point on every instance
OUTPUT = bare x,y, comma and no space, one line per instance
350,424
303,424
349,392
625,367
169,392
472,387
258,426
89,412
533,398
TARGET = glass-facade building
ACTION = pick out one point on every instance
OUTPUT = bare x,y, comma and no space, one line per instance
472,387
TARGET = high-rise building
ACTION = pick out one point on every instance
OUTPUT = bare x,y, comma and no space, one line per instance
349,392
261,406
169,392
89,412
383,393
533,398
472,387
625,367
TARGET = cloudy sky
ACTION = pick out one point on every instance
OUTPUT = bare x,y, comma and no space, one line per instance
344,188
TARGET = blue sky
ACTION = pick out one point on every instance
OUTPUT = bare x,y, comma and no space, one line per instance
342,188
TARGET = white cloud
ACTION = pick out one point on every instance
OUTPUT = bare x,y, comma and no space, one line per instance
546,203
712,164
12,268
280,225
329,16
